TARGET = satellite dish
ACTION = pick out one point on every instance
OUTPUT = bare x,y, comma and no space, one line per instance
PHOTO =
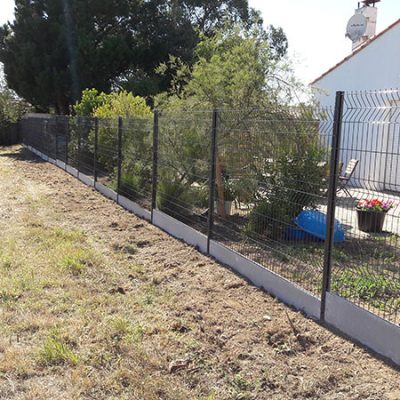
356,27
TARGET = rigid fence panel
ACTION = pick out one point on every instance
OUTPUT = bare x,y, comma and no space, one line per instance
33,132
184,145
271,166
9,134
107,152
258,190
136,160
366,267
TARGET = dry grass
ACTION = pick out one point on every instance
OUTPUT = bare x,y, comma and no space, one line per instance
97,304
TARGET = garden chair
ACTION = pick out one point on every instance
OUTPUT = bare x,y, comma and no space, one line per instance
345,178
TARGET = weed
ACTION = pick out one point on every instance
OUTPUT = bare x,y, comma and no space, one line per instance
243,388
365,285
6,263
150,293
55,352
122,329
76,263
128,248
9,296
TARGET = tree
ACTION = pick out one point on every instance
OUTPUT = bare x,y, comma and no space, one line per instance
55,48
175,28
11,107
238,72
237,68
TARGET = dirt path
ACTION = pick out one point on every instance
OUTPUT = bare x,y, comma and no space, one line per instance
98,304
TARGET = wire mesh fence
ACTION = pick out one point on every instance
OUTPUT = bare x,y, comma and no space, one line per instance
366,266
271,165
184,167
281,186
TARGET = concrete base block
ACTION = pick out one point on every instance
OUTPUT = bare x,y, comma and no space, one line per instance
51,160
180,230
261,277
134,208
60,164
106,191
43,156
87,180
369,329
72,171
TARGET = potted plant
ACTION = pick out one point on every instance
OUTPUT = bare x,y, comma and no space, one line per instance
229,196
371,214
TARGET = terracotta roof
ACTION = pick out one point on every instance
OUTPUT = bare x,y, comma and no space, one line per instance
361,48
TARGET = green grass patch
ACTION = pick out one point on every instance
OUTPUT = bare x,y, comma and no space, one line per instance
375,289
122,329
55,352
76,261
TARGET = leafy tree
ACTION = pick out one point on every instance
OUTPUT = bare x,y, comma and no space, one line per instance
90,101
176,28
239,73
136,136
55,48
11,107
236,68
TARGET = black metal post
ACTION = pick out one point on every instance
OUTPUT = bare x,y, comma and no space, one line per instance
66,143
211,192
79,145
155,164
96,145
46,147
330,218
119,160
56,137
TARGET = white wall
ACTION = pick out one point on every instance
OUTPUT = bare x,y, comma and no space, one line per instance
375,67
370,120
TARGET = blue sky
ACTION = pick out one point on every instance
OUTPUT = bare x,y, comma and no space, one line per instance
315,28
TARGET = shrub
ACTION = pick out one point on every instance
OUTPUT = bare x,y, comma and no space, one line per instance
12,108
294,181
174,198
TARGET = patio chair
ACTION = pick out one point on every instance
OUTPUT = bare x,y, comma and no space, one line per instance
345,178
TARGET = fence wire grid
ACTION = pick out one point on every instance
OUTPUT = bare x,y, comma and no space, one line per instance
280,186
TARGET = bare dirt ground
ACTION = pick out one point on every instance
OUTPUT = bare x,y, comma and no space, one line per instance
98,304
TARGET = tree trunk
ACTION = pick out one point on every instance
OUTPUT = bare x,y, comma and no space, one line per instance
220,188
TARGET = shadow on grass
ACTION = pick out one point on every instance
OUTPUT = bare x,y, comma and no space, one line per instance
19,153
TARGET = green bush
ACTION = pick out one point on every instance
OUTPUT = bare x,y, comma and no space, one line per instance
293,182
174,198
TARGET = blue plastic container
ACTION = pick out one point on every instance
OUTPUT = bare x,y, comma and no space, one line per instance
314,223
295,233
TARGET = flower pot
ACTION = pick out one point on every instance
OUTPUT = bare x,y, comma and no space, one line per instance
370,221
228,207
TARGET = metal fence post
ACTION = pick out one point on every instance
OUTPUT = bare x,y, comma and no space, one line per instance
211,192
155,164
79,145
119,160
330,219
56,137
67,142
46,147
96,143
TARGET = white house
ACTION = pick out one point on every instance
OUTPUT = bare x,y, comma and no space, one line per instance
371,128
